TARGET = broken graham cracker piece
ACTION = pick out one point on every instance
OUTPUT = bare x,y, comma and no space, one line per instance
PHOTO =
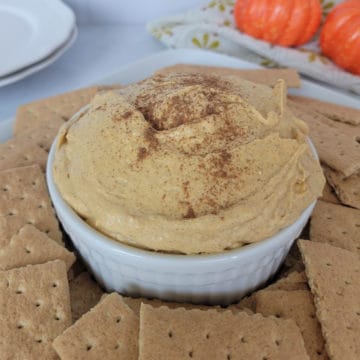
23,194
329,194
108,331
292,262
336,225
347,189
336,143
260,76
182,334
334,279
34,309
135,304
293,281
333,111
85,293
299,306
77,268
246,304
57,109
30,246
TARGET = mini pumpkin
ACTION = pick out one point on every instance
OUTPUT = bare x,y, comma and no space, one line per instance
340,36
280,22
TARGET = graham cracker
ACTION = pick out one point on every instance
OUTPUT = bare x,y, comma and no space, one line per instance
85,293
336,225
292,261
182,334
299,306
336,143
108,331
10,226
334,279
135,304
24,194
18,152
30,246
293,281
246,304
260,76
347,189
34,309
329,194
56,109
76,269
332,111
293,265
29,147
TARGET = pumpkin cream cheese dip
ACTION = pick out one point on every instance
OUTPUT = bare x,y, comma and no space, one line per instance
188,164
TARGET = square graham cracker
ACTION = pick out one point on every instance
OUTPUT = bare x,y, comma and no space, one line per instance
85,293
30,246
347,189
299,306
34,309
336,143
108,331
334,279
24,194
336,225
333,111
260,76
183,334
56,109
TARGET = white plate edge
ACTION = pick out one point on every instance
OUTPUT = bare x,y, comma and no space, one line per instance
21,74
59,34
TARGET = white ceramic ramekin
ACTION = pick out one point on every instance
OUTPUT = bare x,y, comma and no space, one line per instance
214,279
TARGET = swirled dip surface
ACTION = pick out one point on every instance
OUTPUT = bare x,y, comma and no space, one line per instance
188,164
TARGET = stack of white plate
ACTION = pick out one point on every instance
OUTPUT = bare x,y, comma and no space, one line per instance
33,34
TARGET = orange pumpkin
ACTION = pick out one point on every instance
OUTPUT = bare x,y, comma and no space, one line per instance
281,22
340,36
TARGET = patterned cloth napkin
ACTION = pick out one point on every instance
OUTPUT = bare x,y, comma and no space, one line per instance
212,27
